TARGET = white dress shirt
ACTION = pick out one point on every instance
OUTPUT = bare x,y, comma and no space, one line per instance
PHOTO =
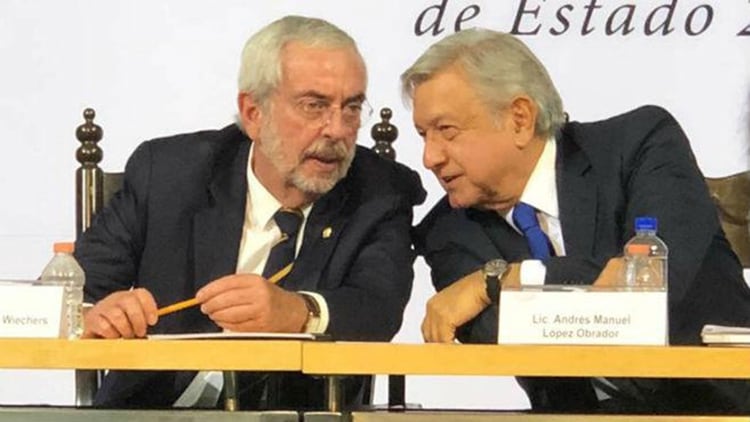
541,193
260,233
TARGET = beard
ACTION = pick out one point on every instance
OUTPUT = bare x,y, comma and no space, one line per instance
322,149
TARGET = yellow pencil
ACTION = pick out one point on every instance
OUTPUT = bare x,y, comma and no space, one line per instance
192,302
176,307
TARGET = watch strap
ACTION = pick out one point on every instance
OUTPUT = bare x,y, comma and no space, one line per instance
492,285
313,314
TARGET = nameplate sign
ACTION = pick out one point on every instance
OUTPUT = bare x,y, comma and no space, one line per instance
31,311
580,315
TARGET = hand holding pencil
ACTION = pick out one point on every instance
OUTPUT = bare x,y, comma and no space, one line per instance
234,300
246,303
194,301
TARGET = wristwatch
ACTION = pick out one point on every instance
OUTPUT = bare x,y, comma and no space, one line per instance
313,314
493,272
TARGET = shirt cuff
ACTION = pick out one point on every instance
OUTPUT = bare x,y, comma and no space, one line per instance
533,272
321,325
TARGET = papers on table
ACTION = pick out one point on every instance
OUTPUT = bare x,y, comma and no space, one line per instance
234,335
726,336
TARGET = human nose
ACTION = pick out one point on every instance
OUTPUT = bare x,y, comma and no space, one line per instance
433,155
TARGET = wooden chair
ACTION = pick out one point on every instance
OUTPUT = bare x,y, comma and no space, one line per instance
731,194
95,187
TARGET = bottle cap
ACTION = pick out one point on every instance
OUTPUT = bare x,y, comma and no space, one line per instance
63,247
645,223
638,249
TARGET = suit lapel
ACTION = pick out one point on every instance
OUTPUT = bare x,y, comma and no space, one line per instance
217,228
322,230
577,200
577,196
510,245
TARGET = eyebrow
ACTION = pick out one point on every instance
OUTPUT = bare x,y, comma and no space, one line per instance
357,98
435,120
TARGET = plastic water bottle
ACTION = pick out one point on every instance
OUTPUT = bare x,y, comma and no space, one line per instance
63,270
646,256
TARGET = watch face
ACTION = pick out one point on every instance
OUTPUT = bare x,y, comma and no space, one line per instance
495,267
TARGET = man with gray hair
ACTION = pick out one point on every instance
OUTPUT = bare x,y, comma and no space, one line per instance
556,201
279,223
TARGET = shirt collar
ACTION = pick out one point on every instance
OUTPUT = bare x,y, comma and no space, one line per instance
541,188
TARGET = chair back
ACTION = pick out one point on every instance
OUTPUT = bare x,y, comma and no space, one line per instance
731,195
94,187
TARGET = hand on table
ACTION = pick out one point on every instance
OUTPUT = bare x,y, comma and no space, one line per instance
124,314
612,274
458,303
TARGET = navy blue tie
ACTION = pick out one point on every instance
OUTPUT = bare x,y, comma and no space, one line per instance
282,253
570,394
524,217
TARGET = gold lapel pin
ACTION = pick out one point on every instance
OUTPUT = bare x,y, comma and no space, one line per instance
327,232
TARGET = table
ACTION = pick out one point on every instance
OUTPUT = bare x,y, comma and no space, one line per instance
464,359
332,359
266,355
454,359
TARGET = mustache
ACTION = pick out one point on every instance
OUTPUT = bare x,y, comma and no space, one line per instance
327,150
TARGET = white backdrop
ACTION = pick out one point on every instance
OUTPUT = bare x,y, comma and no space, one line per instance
158,68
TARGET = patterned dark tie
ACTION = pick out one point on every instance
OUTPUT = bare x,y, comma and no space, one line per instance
524,217
282,253
251,384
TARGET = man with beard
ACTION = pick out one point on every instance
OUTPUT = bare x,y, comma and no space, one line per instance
206,215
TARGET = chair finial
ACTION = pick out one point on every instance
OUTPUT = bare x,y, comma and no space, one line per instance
384,134
89,134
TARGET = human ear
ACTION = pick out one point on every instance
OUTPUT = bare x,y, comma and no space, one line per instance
250,114
522,115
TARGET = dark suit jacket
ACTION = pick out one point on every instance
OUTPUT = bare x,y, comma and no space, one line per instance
176,225
608,172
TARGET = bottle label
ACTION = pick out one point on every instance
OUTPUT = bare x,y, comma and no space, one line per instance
28,310
643,271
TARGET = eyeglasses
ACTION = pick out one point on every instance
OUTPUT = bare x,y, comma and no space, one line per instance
320,111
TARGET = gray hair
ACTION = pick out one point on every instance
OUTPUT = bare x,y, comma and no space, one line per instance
260,67
498,66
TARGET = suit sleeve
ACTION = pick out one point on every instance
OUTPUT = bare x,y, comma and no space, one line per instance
453,246
659,177
109,250
370,302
